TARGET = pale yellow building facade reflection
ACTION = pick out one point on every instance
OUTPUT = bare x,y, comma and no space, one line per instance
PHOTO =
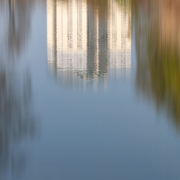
82,43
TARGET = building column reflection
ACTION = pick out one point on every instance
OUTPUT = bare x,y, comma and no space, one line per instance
86,38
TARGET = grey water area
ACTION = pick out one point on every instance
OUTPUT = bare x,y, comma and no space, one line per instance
77,98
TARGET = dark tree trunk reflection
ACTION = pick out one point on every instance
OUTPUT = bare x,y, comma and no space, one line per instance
17,122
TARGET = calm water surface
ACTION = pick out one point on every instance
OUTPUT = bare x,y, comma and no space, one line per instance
89,89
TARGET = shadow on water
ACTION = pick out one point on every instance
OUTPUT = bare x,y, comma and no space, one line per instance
158,57
17,122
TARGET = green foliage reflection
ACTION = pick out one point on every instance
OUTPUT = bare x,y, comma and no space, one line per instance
158,55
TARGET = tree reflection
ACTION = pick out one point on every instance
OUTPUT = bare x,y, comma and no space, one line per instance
16,119
158,56
16,22
16,116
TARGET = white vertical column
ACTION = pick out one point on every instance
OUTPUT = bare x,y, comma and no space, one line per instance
51,31
84,34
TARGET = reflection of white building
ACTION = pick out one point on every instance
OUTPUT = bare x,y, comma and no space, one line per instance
119,36
67,34
79,41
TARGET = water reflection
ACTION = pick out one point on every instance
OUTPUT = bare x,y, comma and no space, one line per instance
158,58
86,39
16,20
17,121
